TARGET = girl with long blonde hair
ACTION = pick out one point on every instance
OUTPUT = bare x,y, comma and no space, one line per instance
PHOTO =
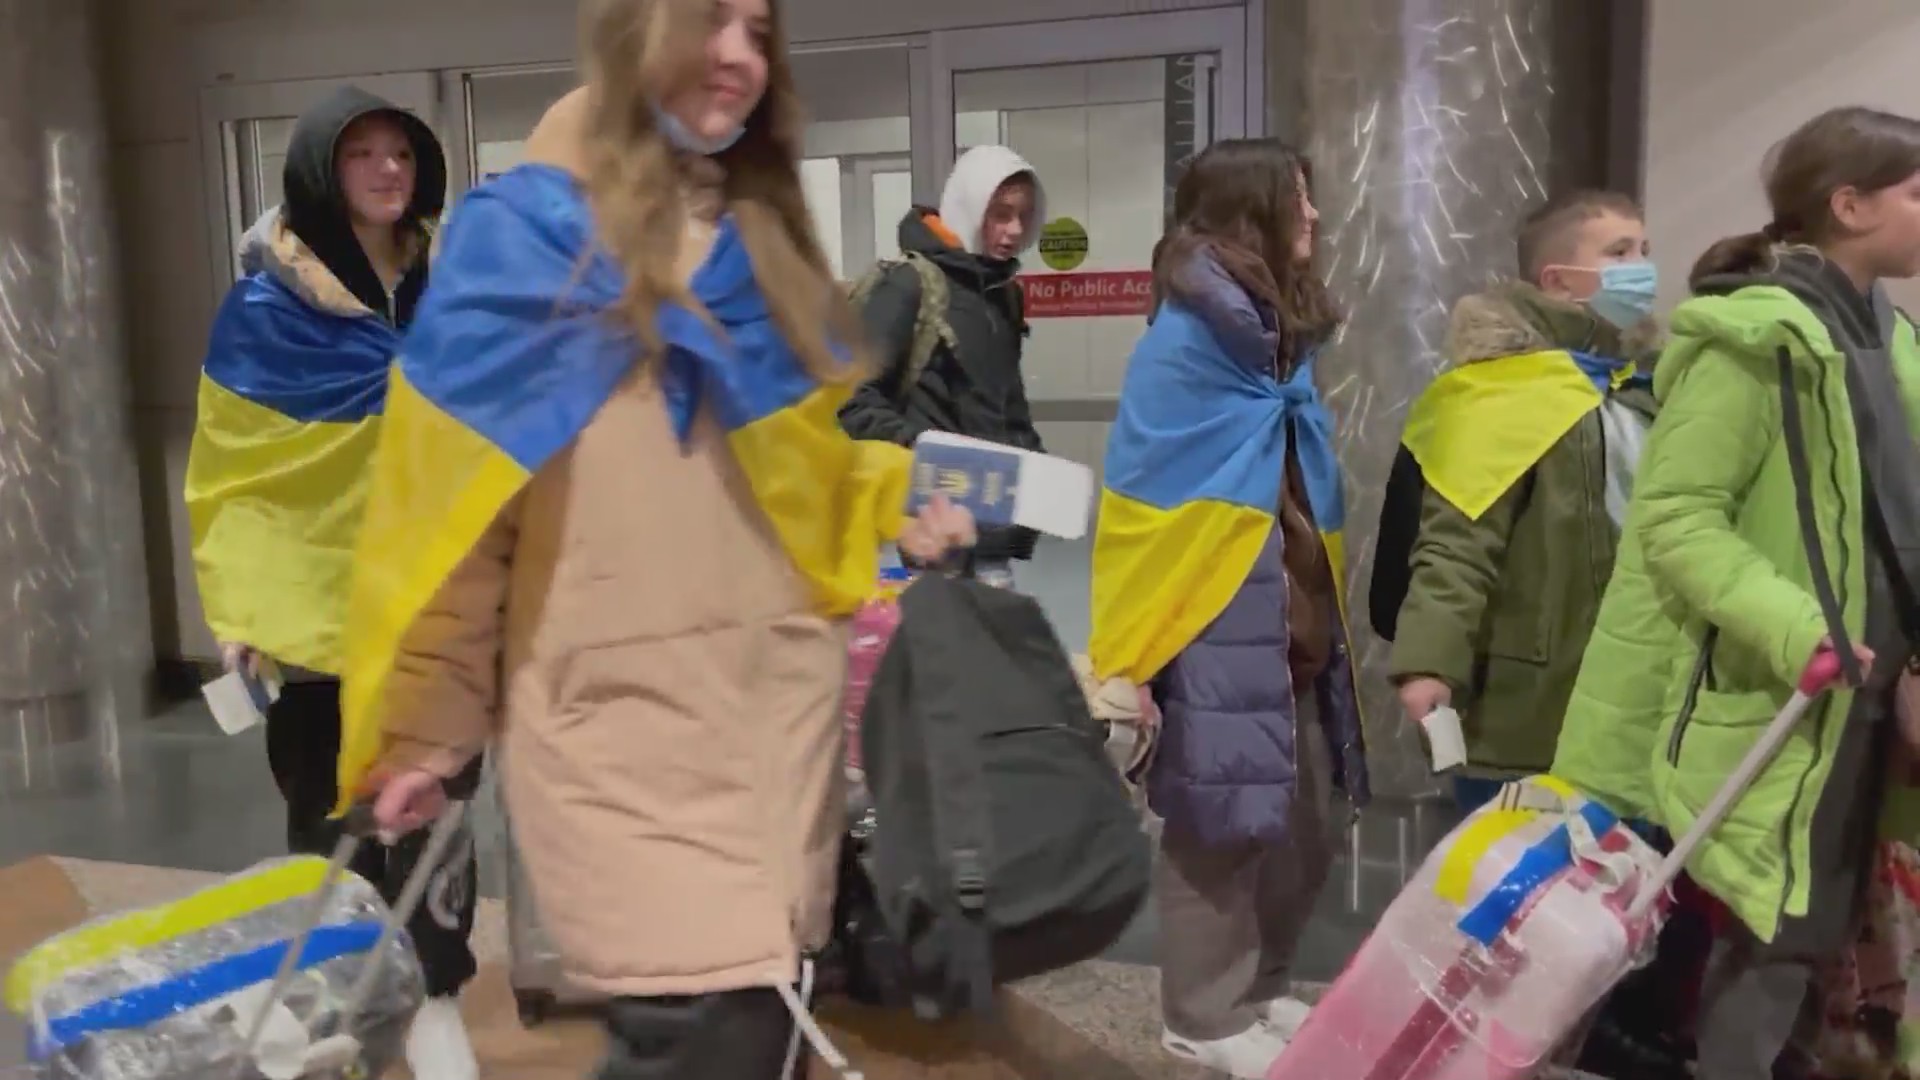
616,527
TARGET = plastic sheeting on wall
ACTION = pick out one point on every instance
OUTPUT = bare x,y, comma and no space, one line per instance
75,633
1429,126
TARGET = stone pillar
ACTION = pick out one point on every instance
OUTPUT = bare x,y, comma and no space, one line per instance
75,632
1428,125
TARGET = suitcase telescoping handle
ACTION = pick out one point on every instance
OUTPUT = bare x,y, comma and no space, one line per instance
1820,674
358,827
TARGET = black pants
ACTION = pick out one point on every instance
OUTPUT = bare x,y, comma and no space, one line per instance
303,749
739,1035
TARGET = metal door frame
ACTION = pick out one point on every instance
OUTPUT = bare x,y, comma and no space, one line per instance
1236,34
1229,31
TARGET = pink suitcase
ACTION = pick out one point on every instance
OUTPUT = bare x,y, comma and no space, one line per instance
1515,927
873,627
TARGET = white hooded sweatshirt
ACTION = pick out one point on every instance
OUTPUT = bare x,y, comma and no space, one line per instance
976,176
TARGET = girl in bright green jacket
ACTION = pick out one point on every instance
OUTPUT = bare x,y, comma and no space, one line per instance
1787,361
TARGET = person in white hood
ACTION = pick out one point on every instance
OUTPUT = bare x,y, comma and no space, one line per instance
970,383
997,195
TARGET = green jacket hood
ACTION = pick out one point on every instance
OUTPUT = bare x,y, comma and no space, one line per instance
1515,317
1754,320
1796,301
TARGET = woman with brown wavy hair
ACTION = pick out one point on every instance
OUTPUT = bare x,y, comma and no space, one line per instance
617,527
1216,583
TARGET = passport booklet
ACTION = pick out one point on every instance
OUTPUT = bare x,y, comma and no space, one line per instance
1002,485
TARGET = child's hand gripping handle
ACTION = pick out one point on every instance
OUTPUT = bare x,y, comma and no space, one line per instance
358,821
1822,672
356,826
360,824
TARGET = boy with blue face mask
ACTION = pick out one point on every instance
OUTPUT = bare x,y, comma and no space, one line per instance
1504,509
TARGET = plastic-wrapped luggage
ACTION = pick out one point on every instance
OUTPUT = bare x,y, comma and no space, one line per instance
1514,929
173,992
1511,931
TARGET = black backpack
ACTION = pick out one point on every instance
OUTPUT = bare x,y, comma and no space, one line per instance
1003,843
1393,543
1394,539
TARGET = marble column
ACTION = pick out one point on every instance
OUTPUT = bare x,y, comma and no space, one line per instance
75,631
1428,125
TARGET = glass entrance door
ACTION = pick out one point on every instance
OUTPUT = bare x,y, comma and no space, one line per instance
244,133
1108,112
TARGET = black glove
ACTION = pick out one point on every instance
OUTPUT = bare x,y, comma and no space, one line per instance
1020,544
1000,542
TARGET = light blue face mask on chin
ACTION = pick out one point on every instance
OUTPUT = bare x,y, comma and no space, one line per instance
1626,294
686,139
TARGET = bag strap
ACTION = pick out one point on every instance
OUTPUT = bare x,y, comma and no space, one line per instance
957,800
1017,303
930,328
1880,537
1794,429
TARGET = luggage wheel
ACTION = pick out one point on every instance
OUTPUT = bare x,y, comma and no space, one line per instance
534,1006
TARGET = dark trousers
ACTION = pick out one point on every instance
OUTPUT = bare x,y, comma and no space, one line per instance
1757,1008
739,1035
1470,793
303,750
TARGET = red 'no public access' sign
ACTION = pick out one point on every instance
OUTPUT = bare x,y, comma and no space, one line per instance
1097,292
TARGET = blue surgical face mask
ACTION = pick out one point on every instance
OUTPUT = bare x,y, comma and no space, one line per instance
684,138
1626,293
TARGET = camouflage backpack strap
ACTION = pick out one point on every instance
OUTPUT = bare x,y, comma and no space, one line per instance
930,326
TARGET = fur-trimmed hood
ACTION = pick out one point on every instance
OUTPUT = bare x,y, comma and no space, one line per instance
272,247
1516,317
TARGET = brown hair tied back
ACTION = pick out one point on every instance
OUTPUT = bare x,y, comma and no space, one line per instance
1865,149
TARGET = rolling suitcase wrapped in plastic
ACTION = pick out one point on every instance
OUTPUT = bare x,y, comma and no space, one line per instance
1513,930
294,970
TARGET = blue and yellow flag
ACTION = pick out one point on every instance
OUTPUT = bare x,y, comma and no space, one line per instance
1194,472
1481,426
514,350
288,417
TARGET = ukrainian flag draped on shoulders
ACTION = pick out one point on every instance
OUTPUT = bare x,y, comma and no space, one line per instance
288,416
514,351
1481,426
1195,466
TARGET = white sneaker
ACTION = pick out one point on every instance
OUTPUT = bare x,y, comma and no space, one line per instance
1246,1056
437,1044
1285,1015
